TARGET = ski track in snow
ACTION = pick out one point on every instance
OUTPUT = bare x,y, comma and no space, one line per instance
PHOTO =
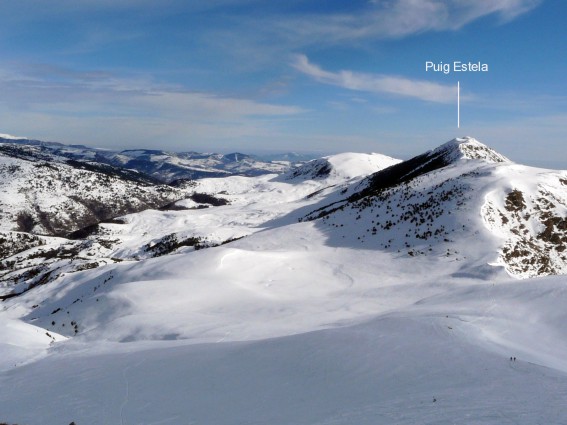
127,390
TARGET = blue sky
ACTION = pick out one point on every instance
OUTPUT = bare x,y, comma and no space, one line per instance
310,75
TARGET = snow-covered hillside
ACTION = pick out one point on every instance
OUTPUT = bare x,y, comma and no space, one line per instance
42,196
214,212
462,201
377,291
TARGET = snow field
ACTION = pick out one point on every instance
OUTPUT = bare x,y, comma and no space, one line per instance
428,364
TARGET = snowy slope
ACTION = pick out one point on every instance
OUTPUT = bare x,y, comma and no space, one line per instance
253,204
390,302
442,360
215,211
464,201
41,198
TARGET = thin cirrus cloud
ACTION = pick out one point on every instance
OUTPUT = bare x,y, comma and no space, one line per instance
375,83
373,19
381,19
63,104
43,86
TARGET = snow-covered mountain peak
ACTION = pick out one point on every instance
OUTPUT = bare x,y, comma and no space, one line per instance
344,166
447,197
350,165
467,148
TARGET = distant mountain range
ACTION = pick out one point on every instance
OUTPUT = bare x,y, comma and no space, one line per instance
163,166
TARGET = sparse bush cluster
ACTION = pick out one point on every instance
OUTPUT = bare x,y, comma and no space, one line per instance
170,243
205,198
515,201
529,253
12,243
25,221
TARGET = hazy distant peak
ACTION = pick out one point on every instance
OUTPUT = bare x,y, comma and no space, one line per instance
10,137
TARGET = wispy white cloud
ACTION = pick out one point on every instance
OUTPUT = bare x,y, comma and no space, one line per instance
42,85
375,83
261,35
398,18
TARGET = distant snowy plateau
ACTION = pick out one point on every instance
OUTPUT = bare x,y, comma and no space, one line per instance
145,287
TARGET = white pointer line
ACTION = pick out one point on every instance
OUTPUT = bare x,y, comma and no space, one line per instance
458,104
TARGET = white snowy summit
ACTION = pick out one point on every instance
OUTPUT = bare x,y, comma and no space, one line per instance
467,148
354,289
341,167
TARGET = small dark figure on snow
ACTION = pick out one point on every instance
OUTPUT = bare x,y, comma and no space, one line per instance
514,359
511,358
